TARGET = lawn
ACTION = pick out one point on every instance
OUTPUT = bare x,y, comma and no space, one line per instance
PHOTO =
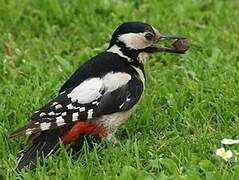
191,101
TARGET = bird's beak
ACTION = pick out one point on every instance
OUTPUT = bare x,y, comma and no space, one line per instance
170,37
179,45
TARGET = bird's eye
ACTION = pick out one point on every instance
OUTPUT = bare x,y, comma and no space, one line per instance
149,36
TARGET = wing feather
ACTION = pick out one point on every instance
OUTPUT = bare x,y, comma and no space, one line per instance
70,107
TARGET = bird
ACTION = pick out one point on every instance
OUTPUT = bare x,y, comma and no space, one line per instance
98,97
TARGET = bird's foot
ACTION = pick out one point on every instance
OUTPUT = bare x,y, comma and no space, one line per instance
113,140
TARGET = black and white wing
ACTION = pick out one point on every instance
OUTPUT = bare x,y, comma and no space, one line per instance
94,97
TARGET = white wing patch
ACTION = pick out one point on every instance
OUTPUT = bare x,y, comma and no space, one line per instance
90,113
96,103
70,106
51,113
44,126
42,114
60,121
87,91
29,131
58,106
75,116
82,109
90,90
54,103
113,81
63,114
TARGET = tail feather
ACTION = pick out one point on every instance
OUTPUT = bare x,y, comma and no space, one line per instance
41,146
26,130
35,127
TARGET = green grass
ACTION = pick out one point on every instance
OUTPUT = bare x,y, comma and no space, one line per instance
190,104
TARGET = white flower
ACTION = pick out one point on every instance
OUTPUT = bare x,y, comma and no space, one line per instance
229,141
224,154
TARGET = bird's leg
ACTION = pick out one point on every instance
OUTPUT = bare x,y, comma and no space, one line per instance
113,140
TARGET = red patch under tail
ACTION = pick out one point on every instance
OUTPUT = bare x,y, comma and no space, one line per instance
80,129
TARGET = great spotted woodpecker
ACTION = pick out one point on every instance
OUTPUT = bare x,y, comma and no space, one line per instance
98,97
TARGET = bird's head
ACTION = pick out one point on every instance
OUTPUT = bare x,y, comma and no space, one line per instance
134,39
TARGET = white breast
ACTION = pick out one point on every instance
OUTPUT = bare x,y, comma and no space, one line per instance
112,121
142,57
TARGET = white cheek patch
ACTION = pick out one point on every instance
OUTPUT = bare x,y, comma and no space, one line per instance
134,40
